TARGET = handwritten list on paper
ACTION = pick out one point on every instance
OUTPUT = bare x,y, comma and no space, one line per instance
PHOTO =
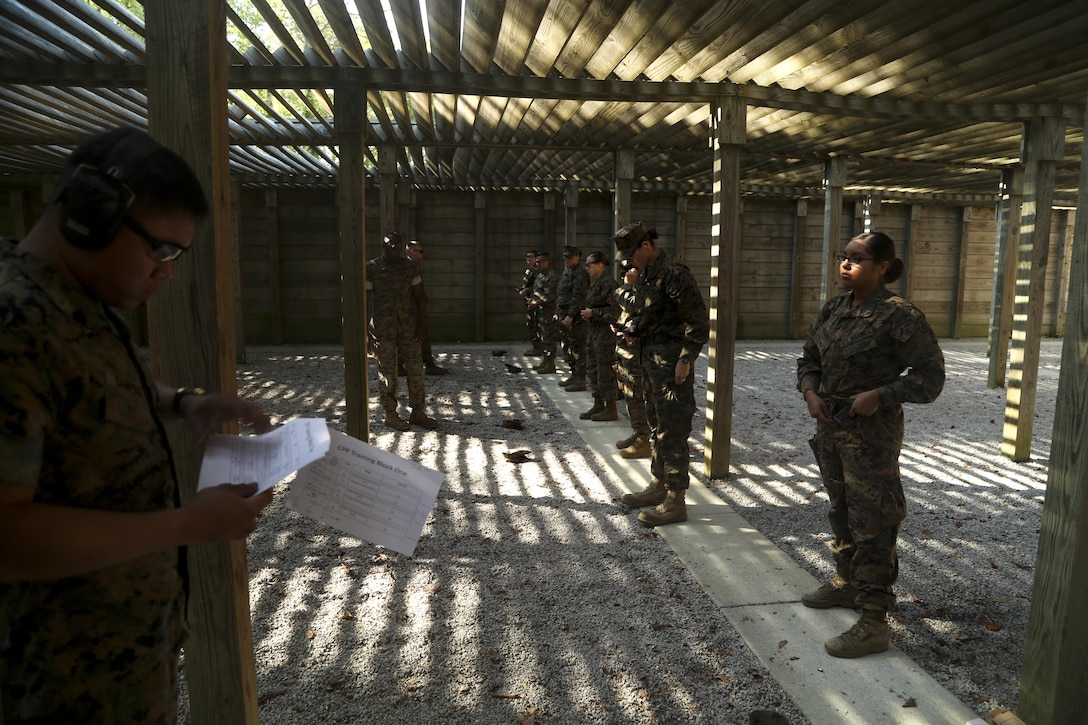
367,493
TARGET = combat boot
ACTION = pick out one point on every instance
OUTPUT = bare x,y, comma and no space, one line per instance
598,406
868,636
547,366
639,449
652,495
608,412
576,385
673,510
621,444
419,417
433,369
836,593
533,351
394,421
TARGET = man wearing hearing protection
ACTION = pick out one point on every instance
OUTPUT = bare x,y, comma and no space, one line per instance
93,582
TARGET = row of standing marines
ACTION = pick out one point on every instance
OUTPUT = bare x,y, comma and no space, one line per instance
867,352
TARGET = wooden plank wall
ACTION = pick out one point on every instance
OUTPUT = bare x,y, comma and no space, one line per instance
290,236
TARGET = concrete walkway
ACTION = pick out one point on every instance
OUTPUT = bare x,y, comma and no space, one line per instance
758,588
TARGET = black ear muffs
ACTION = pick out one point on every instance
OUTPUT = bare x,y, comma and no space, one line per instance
94,201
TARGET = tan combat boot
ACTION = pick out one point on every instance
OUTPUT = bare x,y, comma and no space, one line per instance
607,412
394,421
650,496
576,385
547,366
868,636
672,510
598,406
639,449
836,593
419,417
621,444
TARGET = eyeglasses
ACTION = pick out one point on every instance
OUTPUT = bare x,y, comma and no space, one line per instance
161,250
855,261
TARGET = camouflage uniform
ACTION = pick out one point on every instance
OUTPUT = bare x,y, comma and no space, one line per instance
850,350
79,423
601,343
544,289
531,323
628,366
393,313
570,299
672,321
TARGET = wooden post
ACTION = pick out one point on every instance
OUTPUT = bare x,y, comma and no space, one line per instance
906,254
191,324
794,329
1061,289
387,196
547,231
834,180
1045,140
1054,677
570,206
681,227
624,169
872,213
961,271
480,202
1005,254
275,264
729,116
236,254
350,120
406,208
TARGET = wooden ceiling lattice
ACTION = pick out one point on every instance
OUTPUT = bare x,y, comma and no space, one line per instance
926,100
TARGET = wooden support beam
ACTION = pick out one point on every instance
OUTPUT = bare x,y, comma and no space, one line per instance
570,207
681,227
1054,676
387,195
350,119
729,136
236,257
872,213
1044,143
480,254
961,271
406,209
1061,265
191,324
547,231
907,253
624,169
834,181
275,264
1005,255
795,328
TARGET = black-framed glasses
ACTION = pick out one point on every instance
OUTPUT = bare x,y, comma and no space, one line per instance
854,260
161,250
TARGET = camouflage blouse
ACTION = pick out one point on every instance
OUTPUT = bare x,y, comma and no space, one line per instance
850,350
79,424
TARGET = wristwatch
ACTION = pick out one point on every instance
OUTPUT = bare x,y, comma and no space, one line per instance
179,394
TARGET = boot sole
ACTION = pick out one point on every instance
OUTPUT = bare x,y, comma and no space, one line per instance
651,524
854,654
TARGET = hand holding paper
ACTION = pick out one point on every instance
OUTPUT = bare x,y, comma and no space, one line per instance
266,459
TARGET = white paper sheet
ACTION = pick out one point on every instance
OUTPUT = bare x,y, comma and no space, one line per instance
266,459
367,493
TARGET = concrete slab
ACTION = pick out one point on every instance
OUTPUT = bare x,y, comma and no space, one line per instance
758,588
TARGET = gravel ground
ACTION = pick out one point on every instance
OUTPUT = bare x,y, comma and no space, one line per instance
535,597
